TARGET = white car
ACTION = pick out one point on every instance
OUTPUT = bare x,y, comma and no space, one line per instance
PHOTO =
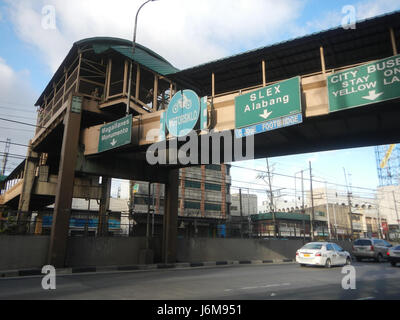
322,254
393,255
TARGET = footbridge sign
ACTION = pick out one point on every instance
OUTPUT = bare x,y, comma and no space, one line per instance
272,105
370,83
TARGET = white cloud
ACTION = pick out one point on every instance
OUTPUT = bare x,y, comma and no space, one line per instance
332,19
16,96
185,32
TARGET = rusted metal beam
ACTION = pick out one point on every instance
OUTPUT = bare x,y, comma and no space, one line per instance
65,186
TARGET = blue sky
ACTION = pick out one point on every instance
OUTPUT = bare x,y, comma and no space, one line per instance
189,32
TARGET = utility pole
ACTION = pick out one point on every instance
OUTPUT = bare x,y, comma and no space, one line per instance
312,206
327,210
349,203
271,204
5,157
302,208
395,207
241,212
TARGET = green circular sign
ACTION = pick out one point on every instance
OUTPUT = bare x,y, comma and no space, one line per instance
183,113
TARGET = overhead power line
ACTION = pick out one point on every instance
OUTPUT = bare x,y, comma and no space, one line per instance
23,123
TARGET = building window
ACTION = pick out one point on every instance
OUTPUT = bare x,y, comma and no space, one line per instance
192,205
212,186
192,184
215,167
212,207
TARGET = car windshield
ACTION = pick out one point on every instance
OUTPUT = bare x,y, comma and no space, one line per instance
313,246
361,242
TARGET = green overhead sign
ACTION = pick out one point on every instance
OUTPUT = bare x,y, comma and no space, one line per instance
276,101
366,84
115,134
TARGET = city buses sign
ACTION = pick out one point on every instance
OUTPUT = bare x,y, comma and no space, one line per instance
370,83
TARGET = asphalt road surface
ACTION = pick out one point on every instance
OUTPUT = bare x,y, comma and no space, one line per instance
237,282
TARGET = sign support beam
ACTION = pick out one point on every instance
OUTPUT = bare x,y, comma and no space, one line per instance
393,40
65,186
170,226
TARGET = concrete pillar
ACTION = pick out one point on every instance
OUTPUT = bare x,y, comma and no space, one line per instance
170,227
25,197
65,185
102,228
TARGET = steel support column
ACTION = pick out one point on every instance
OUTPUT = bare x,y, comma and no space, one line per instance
65,186
102,228
170,226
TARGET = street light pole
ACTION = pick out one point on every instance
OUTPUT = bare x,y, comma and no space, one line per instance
133,53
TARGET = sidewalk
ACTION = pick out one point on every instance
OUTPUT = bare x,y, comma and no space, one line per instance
160,266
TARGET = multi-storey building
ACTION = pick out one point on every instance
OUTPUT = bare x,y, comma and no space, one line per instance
204,201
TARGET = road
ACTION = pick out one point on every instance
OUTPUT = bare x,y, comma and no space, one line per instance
238,282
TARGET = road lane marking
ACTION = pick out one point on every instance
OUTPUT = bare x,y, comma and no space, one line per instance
260,287
366,298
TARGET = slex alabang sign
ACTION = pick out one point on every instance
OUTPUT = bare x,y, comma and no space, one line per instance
269,108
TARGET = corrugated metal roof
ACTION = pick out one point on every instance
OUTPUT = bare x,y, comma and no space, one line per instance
145,58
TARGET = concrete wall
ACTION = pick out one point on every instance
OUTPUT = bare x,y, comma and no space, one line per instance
205,249
106,251
23,252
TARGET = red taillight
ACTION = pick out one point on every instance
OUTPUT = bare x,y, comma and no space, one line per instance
372,248
297,253
318,254
388,253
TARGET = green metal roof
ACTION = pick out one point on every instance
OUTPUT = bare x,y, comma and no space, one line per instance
143,55
280,216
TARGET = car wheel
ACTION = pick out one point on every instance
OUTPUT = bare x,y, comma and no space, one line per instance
328,263
302,265
348,261
393,263
358,259
379,258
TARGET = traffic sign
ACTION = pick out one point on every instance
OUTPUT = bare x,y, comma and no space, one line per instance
370,83
269,103
115,134
183,113
269,126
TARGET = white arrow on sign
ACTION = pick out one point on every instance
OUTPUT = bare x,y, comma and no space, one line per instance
266,114
373,95
114,142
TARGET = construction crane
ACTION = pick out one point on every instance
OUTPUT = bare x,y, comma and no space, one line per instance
387,156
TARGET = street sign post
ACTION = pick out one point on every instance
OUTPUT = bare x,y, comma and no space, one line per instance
370,83
271,106
115,134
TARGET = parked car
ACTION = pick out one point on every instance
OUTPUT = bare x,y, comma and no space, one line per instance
370,248
322,254
393,255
